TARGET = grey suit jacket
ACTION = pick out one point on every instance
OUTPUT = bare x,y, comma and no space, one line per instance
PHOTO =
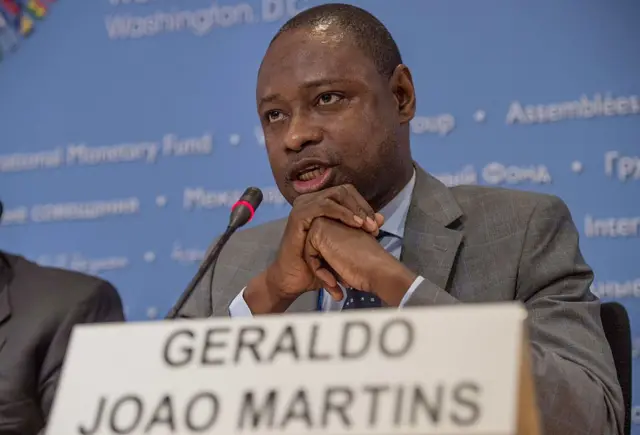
480,244
38,308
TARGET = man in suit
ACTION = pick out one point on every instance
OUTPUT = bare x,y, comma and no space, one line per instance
39,306
335,103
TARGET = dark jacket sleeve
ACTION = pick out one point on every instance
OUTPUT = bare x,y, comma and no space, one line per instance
102,304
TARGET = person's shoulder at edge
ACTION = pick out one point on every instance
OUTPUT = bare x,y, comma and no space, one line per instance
61,289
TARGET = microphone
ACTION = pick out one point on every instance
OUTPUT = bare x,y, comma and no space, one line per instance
243,210
1,210
241,213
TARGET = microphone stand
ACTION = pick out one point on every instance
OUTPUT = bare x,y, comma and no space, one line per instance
209,262
241,213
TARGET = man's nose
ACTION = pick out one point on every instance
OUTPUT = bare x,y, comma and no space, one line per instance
302,132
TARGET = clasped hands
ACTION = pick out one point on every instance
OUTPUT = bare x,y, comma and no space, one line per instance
330,238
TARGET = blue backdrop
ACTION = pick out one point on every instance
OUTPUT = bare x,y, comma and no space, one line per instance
122,123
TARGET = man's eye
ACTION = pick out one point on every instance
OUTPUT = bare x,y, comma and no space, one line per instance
274,116
326,99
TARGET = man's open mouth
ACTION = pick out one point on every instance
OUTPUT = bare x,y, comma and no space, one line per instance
311,177
311,172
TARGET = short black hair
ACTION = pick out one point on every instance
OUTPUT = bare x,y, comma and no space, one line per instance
368,33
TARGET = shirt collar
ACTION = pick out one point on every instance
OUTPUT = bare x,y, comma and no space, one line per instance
395,213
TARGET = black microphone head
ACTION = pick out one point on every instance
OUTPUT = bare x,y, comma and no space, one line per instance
245,207
1,210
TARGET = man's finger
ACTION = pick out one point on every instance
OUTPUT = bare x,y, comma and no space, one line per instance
330,283
347,196
351,198
313,259
328,208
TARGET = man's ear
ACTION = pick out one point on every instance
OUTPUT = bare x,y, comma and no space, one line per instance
405,94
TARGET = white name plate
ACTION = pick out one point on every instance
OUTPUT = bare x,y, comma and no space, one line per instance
445,370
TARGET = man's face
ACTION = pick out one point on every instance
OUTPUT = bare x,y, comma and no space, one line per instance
329,117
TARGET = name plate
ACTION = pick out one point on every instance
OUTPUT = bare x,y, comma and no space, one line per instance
446,370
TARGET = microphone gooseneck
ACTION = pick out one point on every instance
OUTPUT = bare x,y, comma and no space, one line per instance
241,213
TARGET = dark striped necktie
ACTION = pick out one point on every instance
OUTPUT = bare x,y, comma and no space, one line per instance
358,299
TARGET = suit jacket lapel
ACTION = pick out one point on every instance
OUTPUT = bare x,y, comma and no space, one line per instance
6,276
431,241
5,312
5,303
